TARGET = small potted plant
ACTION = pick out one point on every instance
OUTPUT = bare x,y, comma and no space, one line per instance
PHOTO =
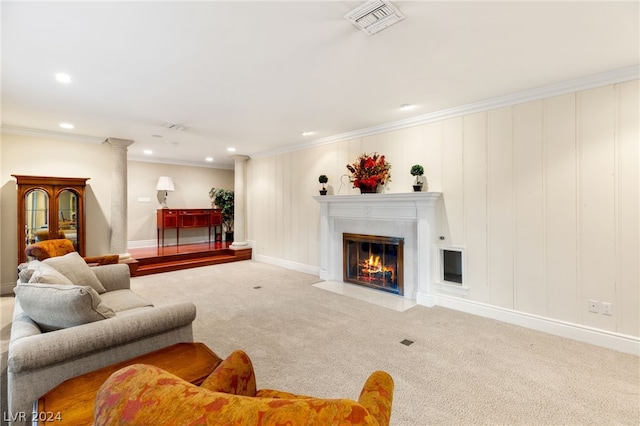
417,170
323,179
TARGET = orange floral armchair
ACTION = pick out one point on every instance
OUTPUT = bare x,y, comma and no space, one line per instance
142,394
59,247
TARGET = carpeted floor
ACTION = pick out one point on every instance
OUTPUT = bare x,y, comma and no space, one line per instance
460,370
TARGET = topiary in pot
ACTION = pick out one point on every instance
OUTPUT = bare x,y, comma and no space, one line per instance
323,179
417,170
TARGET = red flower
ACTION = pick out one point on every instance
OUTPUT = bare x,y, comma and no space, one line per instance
370,170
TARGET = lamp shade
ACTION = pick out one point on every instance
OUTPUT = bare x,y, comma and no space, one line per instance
165,183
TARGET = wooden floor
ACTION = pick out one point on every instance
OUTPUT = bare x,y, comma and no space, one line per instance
152,260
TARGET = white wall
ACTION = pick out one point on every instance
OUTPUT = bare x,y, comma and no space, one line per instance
192,185
544,196
28,155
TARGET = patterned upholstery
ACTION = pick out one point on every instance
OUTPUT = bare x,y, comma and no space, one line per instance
143,394
51,248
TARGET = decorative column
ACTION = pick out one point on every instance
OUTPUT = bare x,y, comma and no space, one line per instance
119,197
239,202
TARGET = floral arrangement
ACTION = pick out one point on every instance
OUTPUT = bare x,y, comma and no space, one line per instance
369,171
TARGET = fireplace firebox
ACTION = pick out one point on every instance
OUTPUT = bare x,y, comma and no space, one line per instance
373,261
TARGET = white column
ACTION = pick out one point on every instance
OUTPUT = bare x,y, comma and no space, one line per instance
239,202
119,196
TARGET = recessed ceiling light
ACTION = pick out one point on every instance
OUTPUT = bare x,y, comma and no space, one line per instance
148,151
66,125
231,149
63,78
209,159
307,133
407,107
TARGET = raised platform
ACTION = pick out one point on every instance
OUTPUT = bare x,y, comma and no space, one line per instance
153,260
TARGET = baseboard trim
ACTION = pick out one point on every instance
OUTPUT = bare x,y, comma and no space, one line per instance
141,243
610,340
294,266
594,336
6,289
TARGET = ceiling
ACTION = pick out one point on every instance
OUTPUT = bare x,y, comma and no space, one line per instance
256,75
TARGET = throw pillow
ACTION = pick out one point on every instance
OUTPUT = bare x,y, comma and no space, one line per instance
25,272
76,270
41,273
54,306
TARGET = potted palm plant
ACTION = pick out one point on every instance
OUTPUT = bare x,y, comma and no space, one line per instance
417,170
323,179
223,199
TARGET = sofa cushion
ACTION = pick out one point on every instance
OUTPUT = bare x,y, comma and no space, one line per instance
41,273
54,306
124,300
74,267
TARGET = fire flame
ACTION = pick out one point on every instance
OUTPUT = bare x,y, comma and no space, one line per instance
373,265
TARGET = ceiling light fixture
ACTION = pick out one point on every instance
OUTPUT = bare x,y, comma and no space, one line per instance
407,107
63,78
307,133
66,125
209,159
231,149
148,151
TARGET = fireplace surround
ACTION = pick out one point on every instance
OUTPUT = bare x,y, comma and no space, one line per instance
411,216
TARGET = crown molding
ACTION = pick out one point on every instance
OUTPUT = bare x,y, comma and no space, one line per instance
23,131
589,82
175,162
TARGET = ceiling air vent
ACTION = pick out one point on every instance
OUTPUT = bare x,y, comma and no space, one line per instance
374,16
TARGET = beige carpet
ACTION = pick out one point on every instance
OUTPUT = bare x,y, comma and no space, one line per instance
460,370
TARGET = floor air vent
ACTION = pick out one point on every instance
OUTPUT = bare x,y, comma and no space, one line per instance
374,16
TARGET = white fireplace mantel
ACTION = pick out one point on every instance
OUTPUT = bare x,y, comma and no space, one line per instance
411,216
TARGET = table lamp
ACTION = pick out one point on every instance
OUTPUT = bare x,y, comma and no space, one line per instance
165,183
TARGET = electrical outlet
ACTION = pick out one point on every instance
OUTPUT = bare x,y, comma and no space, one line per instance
607,308
594,306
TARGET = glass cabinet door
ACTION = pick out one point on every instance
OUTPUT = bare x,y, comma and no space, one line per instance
67,216
37,216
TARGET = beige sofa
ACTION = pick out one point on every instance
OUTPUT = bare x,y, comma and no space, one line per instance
93,328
